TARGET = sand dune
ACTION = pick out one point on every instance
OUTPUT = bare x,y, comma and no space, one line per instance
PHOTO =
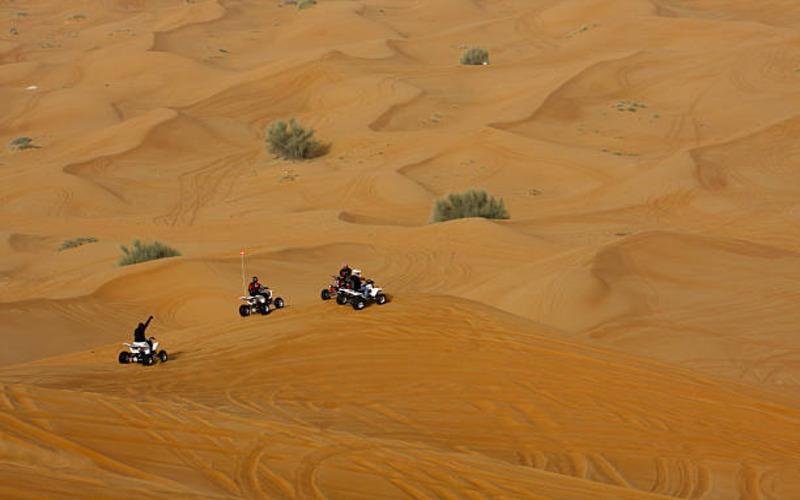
337,401
630,331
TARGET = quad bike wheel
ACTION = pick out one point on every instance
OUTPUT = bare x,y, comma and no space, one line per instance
244,311
263,309
341,299
162,356
325,294
148,360
380,299
359,304
124,358
279,303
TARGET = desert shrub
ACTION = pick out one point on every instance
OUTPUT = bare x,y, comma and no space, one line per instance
23,143
76,242
142,252
472,203
304,4
475,56
293,142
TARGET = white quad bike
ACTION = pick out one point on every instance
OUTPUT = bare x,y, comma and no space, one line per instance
142,352
260,303
360,298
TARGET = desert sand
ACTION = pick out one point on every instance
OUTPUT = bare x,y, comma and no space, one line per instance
630,332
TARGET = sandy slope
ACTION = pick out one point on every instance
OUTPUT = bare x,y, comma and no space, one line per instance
630,331
470,400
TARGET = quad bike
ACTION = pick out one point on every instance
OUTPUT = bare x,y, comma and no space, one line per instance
260,303
338,283
360,298
145,353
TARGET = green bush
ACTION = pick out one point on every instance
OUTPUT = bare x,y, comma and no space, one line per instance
76,242
293,142
304,4
472,203
23,143
475,56
142,252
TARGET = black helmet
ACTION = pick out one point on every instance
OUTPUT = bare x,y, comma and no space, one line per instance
255,279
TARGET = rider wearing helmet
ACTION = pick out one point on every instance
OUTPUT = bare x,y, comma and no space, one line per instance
345,271
254,287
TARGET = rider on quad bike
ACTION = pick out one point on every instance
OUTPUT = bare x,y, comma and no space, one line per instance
360,283
259,298
360,292
256,288
138,333
142,350
356,281
340,281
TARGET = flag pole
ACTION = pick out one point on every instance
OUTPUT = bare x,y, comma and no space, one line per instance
244,281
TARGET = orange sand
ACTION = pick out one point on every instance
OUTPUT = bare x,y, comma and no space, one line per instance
630,332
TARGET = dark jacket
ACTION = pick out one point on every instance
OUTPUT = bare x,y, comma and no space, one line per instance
138,334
